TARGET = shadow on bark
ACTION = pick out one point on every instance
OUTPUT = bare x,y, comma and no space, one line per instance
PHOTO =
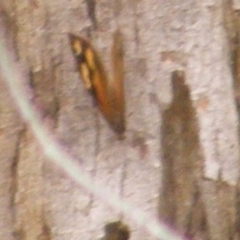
181,205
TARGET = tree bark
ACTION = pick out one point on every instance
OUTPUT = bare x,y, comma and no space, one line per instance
179,160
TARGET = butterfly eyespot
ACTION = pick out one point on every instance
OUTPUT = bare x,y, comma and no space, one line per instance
90,58
77,47
108,93
85,75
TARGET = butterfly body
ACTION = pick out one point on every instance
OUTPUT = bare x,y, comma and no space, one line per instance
108,93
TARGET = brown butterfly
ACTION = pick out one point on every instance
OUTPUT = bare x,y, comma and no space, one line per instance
108,93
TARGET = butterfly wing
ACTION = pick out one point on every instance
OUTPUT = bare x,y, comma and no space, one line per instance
107,93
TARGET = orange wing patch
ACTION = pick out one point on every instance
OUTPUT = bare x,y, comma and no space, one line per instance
109,93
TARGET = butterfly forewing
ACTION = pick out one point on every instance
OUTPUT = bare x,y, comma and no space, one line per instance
108,93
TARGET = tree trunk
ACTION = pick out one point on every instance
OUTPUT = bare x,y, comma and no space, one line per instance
179,159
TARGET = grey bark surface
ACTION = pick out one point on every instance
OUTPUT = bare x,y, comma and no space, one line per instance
180,158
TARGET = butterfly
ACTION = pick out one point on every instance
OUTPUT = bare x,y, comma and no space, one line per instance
107,92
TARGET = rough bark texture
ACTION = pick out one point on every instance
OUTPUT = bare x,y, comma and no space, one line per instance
180,157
